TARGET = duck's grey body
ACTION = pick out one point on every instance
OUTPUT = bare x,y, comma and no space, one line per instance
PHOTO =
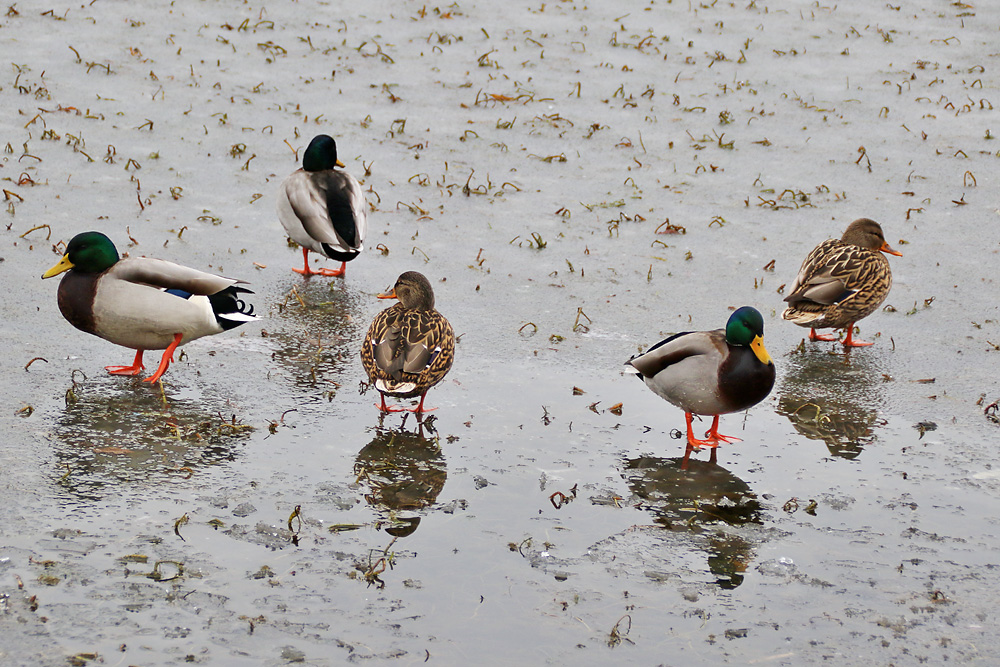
701,373
324,211
129,305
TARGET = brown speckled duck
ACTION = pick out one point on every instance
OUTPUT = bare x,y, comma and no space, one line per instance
710,373
842,281
143,303
410,346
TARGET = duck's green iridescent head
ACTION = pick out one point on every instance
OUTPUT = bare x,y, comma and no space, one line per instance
321,154
89,252
746,328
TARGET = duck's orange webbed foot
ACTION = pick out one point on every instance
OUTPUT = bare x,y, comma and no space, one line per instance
815,336
134,369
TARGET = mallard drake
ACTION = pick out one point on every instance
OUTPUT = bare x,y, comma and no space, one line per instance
710,373
410,346
323,209
143,303
842,281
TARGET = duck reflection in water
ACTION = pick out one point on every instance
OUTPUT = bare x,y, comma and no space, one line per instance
834,398
704,499
314,335
402,473
110,439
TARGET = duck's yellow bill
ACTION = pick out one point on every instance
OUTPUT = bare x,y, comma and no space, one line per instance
339,163
63,265
391,294
757,345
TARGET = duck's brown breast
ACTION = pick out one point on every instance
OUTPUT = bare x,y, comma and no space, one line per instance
76,299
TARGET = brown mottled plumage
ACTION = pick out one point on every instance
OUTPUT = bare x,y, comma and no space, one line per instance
410,346
842,281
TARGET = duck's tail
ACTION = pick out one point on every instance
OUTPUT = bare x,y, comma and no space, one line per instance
230,310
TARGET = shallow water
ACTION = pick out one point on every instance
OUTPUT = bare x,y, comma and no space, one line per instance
524,159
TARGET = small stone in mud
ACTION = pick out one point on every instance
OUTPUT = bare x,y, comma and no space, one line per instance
454,506
737,633
220,502
480,482
292,654
244,509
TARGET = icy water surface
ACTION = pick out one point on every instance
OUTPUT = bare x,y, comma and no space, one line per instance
577,180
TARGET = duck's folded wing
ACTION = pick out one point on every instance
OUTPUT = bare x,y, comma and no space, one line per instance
330,206
823,288
167,275
345,204
675,349
307,197
386,353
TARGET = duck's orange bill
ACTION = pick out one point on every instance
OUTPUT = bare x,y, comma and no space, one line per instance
886,248
388,295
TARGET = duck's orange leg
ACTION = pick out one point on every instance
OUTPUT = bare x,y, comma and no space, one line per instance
385,409
168,356
134,369
305,270
331,273
815,336
714,435
420,409
693,442
850,342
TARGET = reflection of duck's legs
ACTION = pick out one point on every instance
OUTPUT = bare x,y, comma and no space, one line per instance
687,456
713,433
713,458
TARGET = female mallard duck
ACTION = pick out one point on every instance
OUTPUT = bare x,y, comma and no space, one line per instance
842,281
322,209
143,303
710,373
410,346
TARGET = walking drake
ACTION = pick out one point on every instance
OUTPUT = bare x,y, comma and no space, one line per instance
410,346
143,303
323,209
842,281
710,373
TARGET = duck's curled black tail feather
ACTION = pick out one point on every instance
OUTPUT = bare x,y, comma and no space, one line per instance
230,310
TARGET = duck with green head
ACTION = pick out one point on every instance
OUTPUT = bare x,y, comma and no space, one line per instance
710,373
143,303
322,209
